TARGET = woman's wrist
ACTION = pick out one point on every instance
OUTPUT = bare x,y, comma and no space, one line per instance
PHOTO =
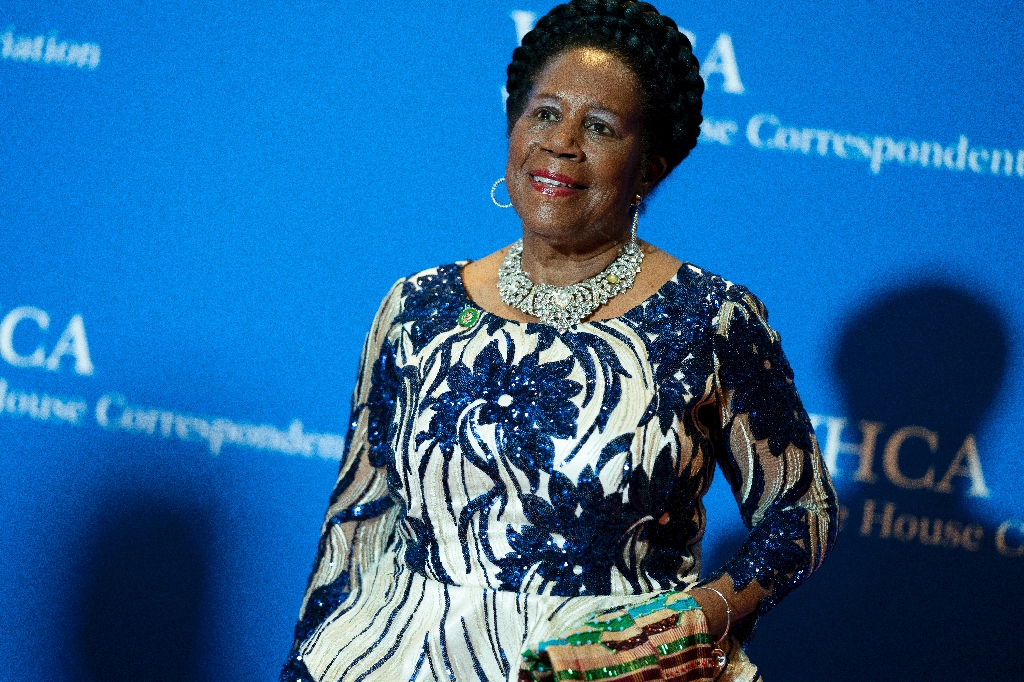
742,602
719,631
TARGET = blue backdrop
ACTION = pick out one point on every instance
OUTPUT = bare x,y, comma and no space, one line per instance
202,203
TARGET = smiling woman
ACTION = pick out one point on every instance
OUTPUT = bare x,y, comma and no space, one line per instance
532,433
578,140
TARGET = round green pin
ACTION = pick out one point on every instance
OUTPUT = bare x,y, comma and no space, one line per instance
468,317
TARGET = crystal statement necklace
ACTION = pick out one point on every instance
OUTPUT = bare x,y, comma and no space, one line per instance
565,307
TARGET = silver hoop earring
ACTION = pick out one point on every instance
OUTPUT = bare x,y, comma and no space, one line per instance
494,187
636,218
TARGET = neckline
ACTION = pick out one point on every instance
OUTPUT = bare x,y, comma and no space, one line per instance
464,295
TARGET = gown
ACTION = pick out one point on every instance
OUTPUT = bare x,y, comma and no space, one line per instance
503,481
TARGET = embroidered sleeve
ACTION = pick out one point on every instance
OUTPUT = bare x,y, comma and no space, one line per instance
769,456
361,515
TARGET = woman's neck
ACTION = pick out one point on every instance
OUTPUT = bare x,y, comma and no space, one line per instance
545,262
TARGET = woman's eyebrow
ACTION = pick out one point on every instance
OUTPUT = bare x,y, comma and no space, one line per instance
591,105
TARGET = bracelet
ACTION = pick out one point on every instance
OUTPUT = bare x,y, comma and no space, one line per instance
720,658
728,610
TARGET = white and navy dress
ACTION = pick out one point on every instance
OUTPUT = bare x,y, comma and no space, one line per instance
503,480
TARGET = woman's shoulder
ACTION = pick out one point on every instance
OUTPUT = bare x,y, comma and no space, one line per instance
438,281
733,311
694,283
428,297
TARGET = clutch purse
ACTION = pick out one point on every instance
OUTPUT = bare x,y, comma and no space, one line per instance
665,638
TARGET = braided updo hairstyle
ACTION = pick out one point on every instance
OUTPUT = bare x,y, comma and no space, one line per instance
646,42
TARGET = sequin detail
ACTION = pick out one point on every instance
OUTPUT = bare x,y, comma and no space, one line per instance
506,461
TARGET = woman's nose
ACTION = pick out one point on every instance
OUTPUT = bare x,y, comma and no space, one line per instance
563,142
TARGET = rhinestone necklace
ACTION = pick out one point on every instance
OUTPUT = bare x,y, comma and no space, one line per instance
565,307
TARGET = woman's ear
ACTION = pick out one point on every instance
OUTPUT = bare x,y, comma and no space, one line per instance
654,170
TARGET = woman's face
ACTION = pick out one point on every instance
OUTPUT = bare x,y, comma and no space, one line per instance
574,156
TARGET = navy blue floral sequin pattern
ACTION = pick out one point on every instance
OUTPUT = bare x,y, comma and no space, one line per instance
755,374
503,479
529,403
433,304
572,540
756,370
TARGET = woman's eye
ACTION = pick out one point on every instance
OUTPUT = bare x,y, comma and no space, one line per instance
599,128
545,115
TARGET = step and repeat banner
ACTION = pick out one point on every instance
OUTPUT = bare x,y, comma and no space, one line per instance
202,204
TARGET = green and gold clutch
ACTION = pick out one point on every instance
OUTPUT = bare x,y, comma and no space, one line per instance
665,638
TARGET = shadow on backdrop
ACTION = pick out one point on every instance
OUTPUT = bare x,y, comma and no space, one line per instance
144,593
915,585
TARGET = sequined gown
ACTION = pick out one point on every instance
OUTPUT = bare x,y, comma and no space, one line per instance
503,481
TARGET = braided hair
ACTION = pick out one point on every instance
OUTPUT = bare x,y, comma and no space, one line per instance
647,42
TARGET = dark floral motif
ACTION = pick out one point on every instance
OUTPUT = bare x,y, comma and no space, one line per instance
484,403
321,603
773,556
529,401
573,541
584,347
755,370
431,304
380,404
492,323
772,551
615,447
669,502
422,551
599,362
676,322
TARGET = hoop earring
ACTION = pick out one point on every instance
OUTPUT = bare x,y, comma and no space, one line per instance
494,187
636,218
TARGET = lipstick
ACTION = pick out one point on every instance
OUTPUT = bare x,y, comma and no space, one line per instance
553,184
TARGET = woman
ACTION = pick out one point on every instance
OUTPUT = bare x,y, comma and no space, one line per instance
532,433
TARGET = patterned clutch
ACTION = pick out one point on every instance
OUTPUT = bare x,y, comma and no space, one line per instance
665,638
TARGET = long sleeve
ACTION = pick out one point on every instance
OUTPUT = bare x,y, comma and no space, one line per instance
769,456
361,516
